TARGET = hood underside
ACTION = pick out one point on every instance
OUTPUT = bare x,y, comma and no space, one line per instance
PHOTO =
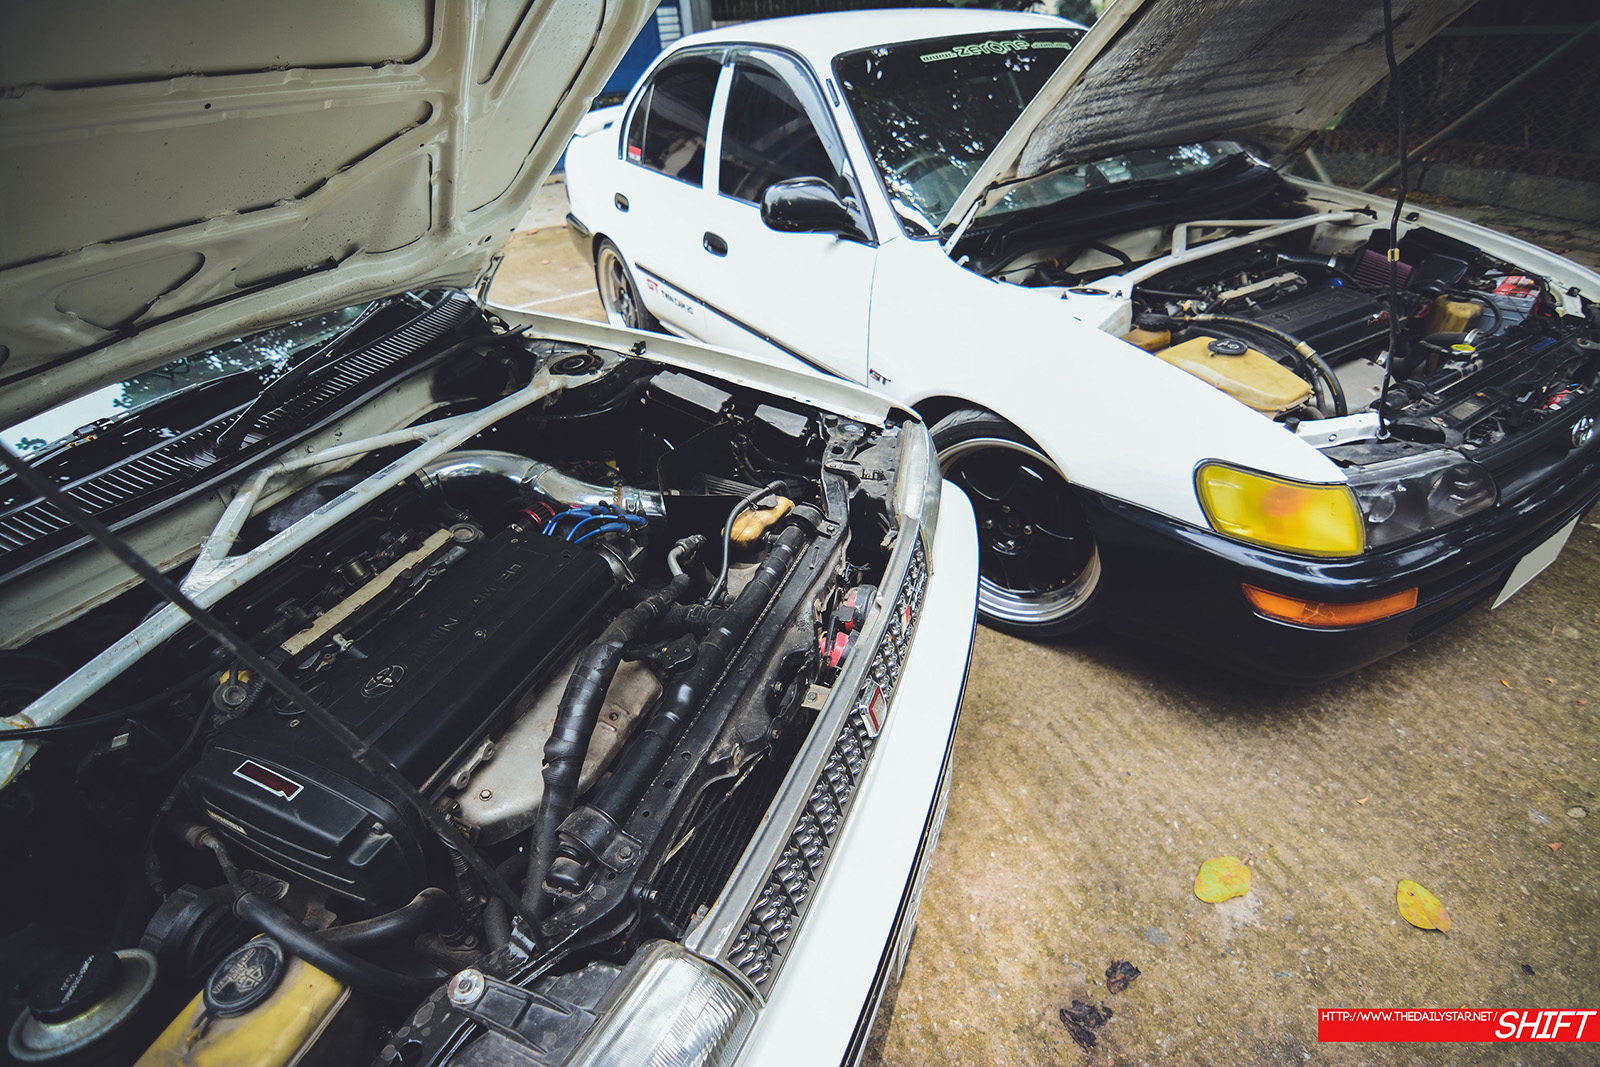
175,178
1150,73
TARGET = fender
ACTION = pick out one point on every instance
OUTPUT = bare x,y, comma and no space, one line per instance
1117,420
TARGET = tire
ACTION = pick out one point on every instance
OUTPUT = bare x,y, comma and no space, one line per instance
618,295
1039,570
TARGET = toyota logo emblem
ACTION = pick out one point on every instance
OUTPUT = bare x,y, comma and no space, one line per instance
1583,431
383,681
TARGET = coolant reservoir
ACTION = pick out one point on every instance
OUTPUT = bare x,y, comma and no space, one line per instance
1149,340
1452,316
260,1006
1248,376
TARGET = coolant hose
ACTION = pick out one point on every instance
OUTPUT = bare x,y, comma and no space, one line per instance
328,958
409,919
496,916
648,750
1323,370
575,722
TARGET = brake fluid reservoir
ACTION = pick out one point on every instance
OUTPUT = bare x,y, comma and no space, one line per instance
1248,376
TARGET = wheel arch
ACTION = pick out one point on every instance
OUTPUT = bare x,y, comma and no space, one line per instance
934,408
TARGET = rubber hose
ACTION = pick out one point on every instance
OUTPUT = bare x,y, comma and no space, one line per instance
1323,370
647,751
575,722
330,959
409,919
700,619
496,916
777,486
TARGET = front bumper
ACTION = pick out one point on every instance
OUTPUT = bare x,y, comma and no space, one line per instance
859,921
1180,585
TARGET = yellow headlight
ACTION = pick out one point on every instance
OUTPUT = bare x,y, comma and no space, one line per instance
1312,520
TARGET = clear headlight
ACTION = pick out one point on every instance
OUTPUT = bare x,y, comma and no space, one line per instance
1300,517
674,1010
1406,498
920,482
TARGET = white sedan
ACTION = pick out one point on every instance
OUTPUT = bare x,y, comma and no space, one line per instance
1160,368
388,677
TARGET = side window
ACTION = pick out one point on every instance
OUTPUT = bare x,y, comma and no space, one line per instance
766,137
668,130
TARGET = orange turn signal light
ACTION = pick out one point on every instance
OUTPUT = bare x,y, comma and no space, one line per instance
1315,613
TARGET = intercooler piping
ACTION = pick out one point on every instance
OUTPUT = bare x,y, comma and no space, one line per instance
546,480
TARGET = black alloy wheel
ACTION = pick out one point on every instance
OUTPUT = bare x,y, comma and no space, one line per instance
1038,568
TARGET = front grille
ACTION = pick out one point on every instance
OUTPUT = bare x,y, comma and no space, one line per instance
757,950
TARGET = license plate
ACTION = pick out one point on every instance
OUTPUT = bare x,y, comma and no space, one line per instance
1530,565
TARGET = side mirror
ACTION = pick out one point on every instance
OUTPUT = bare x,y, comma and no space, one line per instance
808,205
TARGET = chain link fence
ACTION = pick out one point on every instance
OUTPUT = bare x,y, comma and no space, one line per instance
1502,105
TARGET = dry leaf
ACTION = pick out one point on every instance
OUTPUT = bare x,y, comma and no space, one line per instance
1505,683
1555,846
1221,879
1421,908
1363,800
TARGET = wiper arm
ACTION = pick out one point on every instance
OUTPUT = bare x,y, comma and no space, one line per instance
284,385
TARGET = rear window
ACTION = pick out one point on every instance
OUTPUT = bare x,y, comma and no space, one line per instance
668,129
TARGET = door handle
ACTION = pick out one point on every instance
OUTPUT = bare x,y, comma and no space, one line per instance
621,202
714,244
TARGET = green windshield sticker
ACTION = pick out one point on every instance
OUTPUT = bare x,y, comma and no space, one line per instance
996,48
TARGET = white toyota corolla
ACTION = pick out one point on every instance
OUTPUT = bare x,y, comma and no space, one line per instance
1261,419
388,677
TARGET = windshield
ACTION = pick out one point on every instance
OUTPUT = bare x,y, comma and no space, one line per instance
270,350
1130,168
931,111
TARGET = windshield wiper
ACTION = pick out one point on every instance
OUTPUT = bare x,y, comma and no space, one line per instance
284,385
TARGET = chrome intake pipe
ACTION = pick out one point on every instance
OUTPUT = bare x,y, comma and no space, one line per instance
546,480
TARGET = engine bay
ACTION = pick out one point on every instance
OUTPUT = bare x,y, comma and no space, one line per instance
1295,313
593,636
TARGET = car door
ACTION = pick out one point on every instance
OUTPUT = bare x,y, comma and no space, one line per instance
659,192
802,295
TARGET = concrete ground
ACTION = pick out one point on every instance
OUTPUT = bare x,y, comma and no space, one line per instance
1092,778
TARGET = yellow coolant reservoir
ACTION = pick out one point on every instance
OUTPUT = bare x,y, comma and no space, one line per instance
1452,316
1240,371
261,1007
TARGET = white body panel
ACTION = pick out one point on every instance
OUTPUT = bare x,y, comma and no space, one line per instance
1045,360
828,975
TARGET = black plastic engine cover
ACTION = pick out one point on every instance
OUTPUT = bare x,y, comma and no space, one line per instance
1336,320
439,674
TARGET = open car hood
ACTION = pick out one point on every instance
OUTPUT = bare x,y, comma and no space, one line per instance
175,178
1149,73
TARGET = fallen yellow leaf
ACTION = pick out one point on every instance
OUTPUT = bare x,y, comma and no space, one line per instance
1505,683
1362,800
1555,846
1421,908
1221,879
